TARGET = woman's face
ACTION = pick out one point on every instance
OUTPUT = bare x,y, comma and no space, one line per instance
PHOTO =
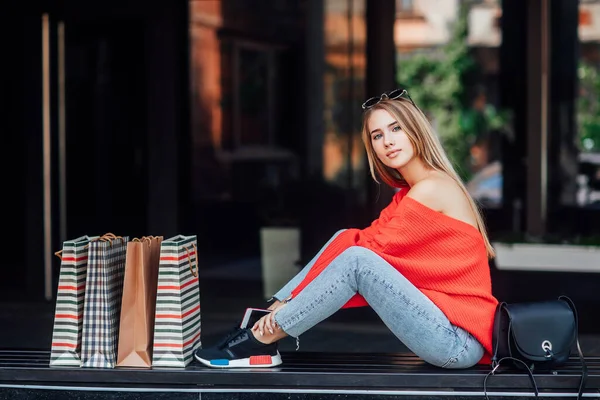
390,142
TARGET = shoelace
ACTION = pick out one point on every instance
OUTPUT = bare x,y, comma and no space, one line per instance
240,337
235,332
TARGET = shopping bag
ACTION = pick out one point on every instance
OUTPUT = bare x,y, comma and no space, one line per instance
103,295
68,315
139,302
177,322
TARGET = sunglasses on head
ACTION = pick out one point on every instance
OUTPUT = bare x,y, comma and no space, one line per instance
393,95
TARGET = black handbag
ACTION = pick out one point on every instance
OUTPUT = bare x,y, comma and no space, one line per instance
536,336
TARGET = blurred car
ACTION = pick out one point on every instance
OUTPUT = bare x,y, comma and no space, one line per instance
588,180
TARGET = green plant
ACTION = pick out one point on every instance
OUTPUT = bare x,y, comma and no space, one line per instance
588,107
438,82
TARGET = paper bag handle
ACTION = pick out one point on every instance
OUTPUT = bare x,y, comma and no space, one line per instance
59,253
148,239
107,237
190,260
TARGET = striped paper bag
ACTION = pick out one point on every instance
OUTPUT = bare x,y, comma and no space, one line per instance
177,321
68,317
103,296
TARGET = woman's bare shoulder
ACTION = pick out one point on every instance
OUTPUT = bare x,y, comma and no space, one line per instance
432,191
441,193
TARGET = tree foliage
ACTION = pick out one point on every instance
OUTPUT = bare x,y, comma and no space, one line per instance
438,82
588,107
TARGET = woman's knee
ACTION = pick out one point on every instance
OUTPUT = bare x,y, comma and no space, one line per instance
363,256
355,253
347,259
337,233
358,257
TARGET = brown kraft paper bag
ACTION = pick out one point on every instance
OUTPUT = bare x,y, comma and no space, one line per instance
139,302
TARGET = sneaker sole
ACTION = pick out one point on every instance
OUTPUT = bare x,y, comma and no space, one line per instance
251,362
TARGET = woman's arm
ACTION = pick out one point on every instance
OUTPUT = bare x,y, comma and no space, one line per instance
384,216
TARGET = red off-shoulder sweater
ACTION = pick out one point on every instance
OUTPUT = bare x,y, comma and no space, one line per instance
443,257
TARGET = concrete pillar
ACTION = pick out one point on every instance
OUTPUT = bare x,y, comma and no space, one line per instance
315,70
169,143
563,151
513,97
381,71
538,115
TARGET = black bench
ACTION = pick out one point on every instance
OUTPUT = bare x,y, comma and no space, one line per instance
26,374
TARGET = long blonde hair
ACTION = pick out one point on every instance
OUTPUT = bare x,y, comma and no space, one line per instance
427,147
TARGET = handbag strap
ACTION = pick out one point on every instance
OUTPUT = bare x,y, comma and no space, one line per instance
584,370
498,314
493,372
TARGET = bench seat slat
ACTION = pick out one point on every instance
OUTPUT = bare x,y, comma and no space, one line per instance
400,371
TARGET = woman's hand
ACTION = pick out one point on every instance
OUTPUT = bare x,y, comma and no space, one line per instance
267,323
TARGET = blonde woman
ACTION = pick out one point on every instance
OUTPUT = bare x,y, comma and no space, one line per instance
422,265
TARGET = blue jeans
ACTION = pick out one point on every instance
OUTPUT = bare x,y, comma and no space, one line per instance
405,310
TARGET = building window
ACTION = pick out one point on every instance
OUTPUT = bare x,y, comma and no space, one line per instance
405,6
251,151
250,104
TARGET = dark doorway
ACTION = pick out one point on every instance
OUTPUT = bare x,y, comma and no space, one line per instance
22,152
73,101
106,128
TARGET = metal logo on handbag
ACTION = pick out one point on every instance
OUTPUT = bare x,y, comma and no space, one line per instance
536,336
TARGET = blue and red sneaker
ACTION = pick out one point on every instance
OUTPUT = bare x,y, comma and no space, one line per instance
239,349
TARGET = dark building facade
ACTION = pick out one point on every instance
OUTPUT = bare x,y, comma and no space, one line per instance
219,118
95,101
